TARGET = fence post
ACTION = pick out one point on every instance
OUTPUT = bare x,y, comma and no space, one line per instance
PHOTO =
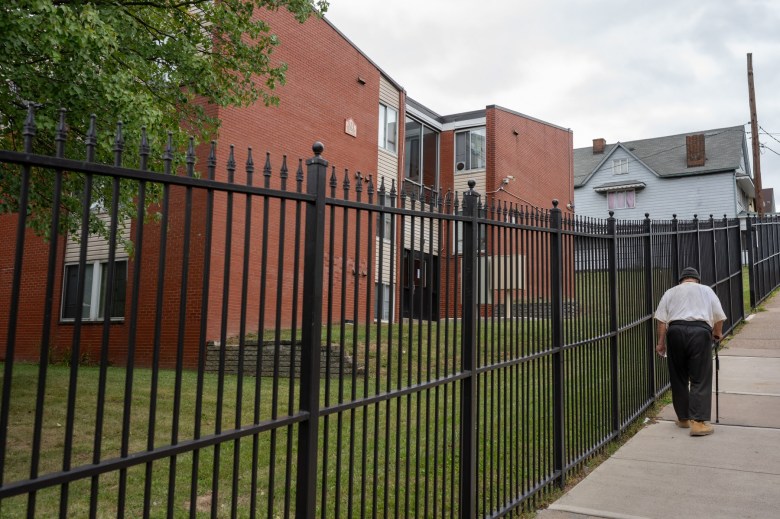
751,260
468,384
305,506
613,321
556,310
648,249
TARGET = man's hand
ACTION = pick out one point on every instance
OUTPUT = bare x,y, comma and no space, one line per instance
660,349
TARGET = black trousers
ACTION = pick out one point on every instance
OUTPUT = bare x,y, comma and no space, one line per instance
689,350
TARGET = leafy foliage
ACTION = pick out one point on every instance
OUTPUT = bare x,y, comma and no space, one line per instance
159,64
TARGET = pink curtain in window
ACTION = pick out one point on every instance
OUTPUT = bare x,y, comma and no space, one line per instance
630,199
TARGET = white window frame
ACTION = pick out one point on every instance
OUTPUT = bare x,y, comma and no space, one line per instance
482,130
457,247
387,303
618,196
91,293
388,136
384,224
619,166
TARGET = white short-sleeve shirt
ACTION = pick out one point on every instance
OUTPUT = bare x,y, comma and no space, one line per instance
690,302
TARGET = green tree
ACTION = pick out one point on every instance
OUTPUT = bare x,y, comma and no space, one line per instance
157,64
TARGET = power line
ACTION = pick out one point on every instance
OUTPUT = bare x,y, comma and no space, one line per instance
770,149
771,135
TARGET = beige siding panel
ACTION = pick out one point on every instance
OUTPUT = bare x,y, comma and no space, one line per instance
388,94
387,167
508,272
422,235
97,247
461,182
386,267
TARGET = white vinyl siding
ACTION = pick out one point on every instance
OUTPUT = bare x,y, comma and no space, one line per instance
388,94
387,170
97,247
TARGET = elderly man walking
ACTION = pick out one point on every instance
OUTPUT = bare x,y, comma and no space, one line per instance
690,317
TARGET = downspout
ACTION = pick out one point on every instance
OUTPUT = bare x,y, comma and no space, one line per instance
571,171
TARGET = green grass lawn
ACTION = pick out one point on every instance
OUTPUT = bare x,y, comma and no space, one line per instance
402,452
398,453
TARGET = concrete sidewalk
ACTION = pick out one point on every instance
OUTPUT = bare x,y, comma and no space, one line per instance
663,472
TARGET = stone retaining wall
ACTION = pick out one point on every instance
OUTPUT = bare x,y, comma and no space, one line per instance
268,350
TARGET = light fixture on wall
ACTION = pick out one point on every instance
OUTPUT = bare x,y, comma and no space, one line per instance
361,80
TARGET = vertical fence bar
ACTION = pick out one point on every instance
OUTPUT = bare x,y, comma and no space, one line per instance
468,402
16,288
204,305
751,261
675,248
648,250
556,314
47,315
613,320
306,498
697,242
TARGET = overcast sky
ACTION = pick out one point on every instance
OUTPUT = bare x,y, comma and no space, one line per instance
621,70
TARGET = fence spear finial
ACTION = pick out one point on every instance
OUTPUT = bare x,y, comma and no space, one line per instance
62,134
250,166
91,138
190,158
29,128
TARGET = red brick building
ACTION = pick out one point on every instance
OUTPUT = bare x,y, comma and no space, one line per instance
334,94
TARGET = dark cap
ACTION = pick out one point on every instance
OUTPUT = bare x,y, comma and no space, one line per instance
689,272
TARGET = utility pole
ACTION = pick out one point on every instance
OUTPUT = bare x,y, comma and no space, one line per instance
754,133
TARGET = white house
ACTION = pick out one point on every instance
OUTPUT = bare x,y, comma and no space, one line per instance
700,173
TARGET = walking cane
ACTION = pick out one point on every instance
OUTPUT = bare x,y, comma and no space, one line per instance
717,392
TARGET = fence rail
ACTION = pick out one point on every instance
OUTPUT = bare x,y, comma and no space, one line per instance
432,356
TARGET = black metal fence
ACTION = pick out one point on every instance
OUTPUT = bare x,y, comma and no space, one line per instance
474,352
762,241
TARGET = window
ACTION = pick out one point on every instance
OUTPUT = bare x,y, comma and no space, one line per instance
470,149
621,199
388,128
95,284
421,154
383,310
620,166
384,221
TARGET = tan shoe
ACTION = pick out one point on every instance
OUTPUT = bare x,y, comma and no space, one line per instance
683,424
701,428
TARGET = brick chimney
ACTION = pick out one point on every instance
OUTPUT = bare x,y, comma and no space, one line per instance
694,146
598,146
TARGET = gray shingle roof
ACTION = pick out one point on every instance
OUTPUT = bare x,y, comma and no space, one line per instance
666,156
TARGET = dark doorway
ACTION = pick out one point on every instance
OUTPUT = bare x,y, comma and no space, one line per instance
420,297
